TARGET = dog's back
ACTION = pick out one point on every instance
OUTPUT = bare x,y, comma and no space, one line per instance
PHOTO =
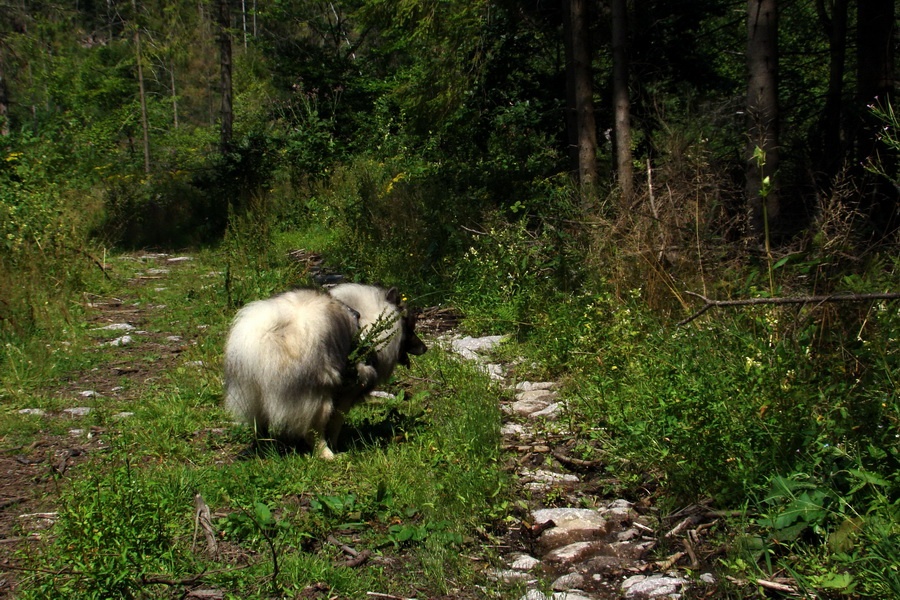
283,359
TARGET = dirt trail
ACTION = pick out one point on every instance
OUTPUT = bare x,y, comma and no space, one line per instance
31,474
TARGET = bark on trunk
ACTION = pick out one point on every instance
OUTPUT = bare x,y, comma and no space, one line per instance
835,27
621,104
145,125
227,115
762,116
580,84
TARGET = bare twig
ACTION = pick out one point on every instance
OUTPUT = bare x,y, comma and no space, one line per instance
203,519
710,303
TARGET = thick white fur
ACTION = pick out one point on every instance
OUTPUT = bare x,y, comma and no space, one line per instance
372,304
285,359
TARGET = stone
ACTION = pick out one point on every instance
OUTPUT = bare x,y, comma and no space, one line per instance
571,525
382,394
543,479
570,581
157,271
653,586
509,576
605,566
523,562
120,341
123,415
529,386
116,327
173,338
576,553
512,429
179,259
550,411
492,370
32,411
708,578
528,407
88,394
471,348
543,395
78,411
628,535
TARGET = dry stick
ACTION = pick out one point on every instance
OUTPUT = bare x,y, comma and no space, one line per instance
709,303
203,518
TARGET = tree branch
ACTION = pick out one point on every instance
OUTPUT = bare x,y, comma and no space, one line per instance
709,303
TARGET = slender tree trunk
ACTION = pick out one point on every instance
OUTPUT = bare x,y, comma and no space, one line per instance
580,87
143,95
227,115
835,27
621,104
4,104
762,116
875,85
174,97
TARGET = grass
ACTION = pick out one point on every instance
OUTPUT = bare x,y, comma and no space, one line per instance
418,477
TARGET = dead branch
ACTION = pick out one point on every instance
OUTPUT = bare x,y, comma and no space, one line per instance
841,297
203,519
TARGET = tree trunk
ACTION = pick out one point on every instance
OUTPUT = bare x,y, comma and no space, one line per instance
227,115
875,85
4,104
145,125
835,27
762,117
581,94
621,105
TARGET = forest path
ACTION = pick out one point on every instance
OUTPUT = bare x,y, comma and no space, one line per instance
591,546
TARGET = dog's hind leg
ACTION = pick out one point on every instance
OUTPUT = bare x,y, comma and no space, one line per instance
317,436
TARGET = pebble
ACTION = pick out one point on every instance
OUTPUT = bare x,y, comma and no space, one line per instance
32,411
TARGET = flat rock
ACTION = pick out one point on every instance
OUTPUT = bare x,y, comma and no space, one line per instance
570,581
509,576
531,386
528,407
120,341
38,412
547,396
576,552
548,412
653,586
539,595
543,479
116,327
78,411
512,429
523,562
571,525
179,259
471,348
492,370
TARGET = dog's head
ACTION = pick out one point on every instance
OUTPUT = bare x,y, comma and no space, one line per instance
410,343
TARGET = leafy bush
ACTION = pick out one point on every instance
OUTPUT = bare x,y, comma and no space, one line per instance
113,529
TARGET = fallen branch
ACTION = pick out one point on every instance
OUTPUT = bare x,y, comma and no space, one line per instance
710,303
203,519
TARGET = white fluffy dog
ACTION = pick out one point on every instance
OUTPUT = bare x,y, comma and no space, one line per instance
297,362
